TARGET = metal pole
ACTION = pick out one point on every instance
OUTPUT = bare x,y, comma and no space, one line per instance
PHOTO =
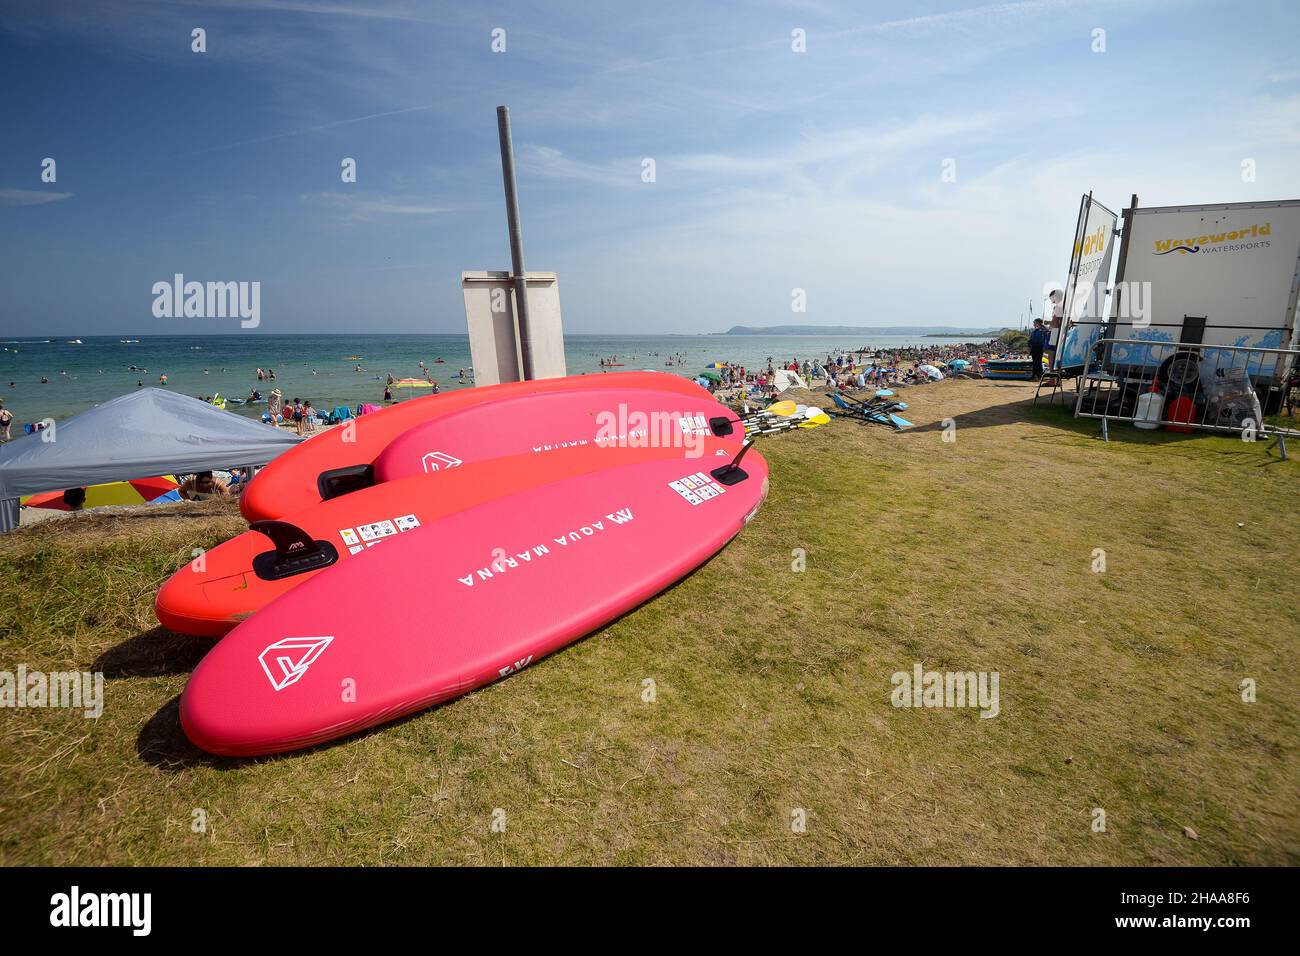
516,240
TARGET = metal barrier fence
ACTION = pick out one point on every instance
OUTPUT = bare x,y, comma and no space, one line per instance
1187,386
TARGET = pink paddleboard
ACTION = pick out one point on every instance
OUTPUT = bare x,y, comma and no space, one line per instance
437,468
337,460
463,601
552,423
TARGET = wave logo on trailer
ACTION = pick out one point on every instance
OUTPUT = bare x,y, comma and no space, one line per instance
437,461
1211,242
286,661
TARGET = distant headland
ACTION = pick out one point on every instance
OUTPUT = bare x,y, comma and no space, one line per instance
924,331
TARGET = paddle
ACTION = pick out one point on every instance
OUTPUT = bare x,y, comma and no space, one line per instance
810,418
782,409
731,473
881,414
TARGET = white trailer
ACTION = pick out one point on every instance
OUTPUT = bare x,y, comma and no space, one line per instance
1225,274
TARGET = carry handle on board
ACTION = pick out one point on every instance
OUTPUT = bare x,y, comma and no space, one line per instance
295,551
721,426
731,473
341,481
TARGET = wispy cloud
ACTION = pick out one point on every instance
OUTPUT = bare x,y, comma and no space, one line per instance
989,14
368,206
321,127
1274,122
550,163
29,197
872,144
374,11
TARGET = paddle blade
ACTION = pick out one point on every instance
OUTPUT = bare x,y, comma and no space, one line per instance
784,408
819,419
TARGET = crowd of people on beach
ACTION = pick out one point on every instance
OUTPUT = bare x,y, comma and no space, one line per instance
863,368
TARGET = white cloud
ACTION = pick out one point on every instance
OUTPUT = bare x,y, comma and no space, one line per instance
29,197
369,206
551,163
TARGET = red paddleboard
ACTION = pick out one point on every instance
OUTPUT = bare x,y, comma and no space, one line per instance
462,601
225,585
557,422
337,460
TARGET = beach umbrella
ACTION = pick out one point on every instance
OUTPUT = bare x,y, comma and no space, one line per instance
715,365
711,375
138,491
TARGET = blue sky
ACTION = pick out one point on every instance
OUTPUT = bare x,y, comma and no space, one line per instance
775,170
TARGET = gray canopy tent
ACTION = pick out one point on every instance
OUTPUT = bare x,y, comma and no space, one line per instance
149,432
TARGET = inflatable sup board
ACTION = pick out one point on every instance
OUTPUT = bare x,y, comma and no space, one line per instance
234,580
338,460
462,601
552,436
555,422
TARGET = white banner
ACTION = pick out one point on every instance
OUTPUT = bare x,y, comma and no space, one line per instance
1085,293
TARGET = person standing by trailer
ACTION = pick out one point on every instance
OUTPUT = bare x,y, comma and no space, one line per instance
1037,340
1056,305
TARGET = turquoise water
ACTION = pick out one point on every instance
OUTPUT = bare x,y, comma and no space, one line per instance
319,368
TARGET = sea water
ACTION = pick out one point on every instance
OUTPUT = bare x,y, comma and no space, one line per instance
323,368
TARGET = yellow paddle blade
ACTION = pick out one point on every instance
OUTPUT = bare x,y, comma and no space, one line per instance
785,409
820,418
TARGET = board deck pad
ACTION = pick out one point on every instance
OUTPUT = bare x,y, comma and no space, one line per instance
289,483
460,602
210,596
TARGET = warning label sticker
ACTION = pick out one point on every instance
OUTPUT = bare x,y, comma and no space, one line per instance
694,425
376,530
697,488
364,535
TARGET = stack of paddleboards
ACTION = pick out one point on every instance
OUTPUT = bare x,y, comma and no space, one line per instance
1022,369
413,555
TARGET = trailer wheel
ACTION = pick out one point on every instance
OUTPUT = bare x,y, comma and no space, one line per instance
1180,373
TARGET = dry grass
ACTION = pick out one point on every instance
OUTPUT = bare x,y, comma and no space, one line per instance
1118,690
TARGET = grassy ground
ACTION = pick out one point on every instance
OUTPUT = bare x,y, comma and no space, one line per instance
1119,690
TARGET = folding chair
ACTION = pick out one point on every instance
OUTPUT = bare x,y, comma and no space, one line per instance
1053,378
